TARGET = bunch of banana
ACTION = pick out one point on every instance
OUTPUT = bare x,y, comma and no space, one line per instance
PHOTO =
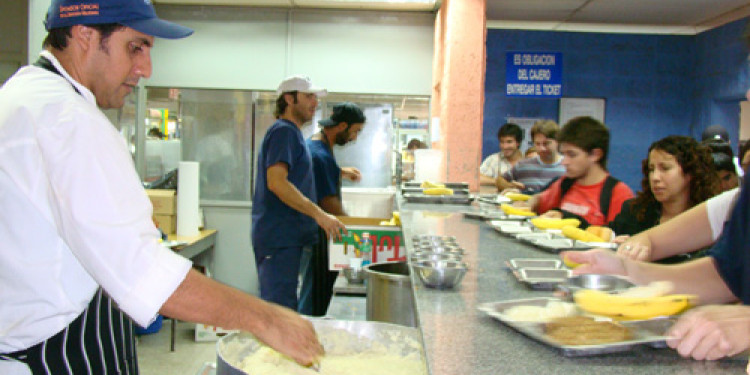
632,308
518,211
517,197
552,223
580,234
430,184
395,220
437,191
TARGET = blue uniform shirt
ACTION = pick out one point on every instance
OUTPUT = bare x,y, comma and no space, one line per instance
327,171
731,252
275,224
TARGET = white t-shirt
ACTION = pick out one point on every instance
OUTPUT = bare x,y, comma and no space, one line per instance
719,209
75,215
495,165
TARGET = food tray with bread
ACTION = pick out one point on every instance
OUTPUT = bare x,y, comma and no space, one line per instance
562,326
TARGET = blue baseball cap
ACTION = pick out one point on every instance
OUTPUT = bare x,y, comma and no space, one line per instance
136,14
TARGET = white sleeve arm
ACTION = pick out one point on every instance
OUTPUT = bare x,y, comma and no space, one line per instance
719,209
489,167
103,214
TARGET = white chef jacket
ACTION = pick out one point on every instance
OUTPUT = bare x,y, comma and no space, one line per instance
74,214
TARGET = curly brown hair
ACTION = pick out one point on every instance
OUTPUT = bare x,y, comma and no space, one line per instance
695,161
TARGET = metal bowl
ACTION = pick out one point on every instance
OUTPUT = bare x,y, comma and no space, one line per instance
605,283
441,274
354,275
425,255
440,250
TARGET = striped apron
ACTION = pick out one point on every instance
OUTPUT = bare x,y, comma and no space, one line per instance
99,341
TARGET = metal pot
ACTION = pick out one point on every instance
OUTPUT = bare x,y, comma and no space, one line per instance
389,293
400,340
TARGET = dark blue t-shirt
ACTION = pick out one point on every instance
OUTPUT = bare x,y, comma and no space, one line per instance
275,224
731,252
327,171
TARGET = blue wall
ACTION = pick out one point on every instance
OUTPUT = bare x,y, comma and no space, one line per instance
654,85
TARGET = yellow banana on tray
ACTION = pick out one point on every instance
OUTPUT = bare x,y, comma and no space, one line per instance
580,234
518,211
517,196
437,191
632,308
430,184
552,223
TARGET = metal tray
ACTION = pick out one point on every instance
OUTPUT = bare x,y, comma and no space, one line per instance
529,237
485,215
517,263
645,332
493,199
556,245
450,185
446,199
542,278
510,227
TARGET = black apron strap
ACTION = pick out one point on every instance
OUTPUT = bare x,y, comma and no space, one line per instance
45,64
99,341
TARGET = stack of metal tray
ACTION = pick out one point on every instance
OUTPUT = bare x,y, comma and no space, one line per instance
644,332
416,187
458,197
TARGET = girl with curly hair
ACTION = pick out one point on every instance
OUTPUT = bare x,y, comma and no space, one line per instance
677,175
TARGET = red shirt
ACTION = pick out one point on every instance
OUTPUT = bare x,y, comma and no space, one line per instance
583,200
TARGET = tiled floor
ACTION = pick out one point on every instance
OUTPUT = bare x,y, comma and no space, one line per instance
154,357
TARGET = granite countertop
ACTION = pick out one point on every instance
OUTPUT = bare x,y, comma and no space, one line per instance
459,339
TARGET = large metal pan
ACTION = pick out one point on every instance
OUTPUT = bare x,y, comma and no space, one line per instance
401,340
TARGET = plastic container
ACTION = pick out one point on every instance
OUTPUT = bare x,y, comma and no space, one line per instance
152,328
427,164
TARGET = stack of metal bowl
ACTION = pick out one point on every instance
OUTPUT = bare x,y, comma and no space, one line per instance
441,274
437,260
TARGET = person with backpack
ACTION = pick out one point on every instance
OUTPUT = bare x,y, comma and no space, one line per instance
586,191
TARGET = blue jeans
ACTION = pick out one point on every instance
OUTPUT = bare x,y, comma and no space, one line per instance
305,305
278,270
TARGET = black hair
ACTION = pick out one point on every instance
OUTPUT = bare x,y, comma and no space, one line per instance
587,133
511,130
281,103
57,38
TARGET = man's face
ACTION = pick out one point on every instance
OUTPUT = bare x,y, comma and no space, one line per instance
508,145
115,66
576,160
545,147
345,136
728,180
303,108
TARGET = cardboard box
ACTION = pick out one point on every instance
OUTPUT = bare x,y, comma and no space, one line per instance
210,333
387,242
164,201
368,202
167,223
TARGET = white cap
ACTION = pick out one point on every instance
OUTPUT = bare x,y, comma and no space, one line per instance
302,84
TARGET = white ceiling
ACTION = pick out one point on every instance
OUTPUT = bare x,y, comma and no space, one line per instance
640,16
631,16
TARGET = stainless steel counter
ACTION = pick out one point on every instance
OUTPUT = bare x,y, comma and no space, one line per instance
459,339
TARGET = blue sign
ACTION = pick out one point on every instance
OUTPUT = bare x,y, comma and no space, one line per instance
533,74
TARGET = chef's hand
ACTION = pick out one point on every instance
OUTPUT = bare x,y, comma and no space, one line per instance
331,225
711,332
290,334
636,248
599,261
351,174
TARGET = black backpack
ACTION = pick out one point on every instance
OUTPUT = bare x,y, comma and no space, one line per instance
604,197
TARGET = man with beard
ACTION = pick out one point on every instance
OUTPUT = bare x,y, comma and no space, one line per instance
344,125
285,217
509,138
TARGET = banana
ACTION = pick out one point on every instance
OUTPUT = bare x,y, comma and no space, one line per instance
430,184
653,289
517,196
632,308
550,223
580,234
437,191
518,211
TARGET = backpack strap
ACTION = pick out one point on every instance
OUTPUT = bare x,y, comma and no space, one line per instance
606,195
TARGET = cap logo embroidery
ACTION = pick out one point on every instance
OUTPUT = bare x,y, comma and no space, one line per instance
77,10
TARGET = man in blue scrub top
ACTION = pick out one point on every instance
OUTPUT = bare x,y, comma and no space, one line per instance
285,219
342,127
